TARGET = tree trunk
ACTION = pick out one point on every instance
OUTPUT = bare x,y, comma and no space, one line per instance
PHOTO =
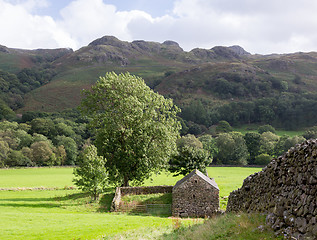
125,181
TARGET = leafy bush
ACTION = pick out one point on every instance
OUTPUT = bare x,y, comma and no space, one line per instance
262,159
91,175
266,128
232,149
191,155
223,126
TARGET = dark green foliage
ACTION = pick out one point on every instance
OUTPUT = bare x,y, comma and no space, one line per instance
197,113
310,133
191,155
13,87
268,142
262,159
190,141
25,139
44,126
60,139
185,128
188,159
42,153
266,128
70,148
5,111
17,158
232,149
286,142
29,116
4,153
209,144
90,174
252,141
223,127
32,78
196,129
168,73
297,80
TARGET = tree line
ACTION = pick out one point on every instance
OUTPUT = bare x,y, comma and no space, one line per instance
289,111
14,86
125,133
42,139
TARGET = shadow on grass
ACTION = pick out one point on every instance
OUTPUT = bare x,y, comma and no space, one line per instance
50,199
105,202
73,196
51,202
76,199
31,205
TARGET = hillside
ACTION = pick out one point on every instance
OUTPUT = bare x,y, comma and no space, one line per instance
217,78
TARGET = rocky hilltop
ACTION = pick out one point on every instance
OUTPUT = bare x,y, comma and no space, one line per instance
109,48
219,76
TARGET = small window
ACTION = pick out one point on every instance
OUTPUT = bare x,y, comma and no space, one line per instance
193,196
196,181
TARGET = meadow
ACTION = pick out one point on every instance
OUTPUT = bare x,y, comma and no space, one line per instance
253,128
63,212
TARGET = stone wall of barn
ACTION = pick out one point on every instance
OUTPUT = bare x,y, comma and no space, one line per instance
195,198
286,190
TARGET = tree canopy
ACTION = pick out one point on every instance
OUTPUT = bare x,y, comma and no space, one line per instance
91,175
191,155
135,128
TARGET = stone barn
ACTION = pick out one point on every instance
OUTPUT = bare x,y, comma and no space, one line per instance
196,195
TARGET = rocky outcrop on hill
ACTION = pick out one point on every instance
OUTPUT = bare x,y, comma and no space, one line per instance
204,54
109,48
110,40
4,49
225,52
286,190
142,45
173,44
239,50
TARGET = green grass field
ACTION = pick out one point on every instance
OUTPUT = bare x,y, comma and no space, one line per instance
253,128
70,214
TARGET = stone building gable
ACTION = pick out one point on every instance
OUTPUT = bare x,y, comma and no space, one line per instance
195,195
211,181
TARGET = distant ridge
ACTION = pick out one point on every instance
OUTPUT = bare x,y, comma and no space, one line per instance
216,76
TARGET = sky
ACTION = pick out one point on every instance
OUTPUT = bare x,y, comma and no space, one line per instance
262,27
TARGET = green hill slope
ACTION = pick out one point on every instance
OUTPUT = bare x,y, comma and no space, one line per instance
221,78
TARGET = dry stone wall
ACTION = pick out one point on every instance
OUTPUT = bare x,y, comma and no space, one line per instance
145,190
122,191
286,189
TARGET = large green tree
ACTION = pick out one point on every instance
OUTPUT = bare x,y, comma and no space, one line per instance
135,128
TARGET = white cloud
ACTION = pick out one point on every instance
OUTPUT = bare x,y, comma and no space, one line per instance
21,29
88,20
258,26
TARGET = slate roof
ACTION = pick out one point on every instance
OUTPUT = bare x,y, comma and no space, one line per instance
211,181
